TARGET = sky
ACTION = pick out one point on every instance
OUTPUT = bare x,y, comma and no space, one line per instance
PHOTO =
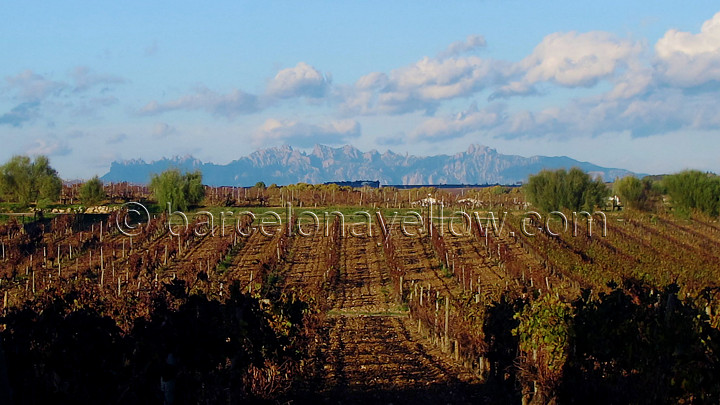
632,85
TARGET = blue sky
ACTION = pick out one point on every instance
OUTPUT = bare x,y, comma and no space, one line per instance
624,84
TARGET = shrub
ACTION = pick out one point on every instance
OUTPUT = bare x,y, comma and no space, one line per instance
694,190
25,181
92,191
574,190
180,190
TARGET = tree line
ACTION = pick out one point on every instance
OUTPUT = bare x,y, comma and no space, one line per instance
27,181
688,191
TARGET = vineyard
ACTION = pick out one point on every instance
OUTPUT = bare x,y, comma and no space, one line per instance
403,305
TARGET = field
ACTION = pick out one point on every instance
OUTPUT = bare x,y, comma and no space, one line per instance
401,305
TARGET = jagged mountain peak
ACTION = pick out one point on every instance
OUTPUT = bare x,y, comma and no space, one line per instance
321,150
479,164
130,162
351,151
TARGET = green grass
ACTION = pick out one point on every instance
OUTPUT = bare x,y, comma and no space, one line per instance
12,207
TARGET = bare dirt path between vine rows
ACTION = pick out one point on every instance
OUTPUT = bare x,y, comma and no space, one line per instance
369,351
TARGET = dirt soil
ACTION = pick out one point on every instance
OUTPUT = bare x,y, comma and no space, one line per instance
368,350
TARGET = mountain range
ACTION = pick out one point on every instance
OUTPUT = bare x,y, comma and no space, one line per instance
285,165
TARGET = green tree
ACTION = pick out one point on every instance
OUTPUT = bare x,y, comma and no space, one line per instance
634,193
92,191
694,190
180,190
193,187
25,181
557,189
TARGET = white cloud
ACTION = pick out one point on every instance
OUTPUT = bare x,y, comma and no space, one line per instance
653,114
85,79
434,79
645,100
302,80
686,59
48,147
31,86
373,80
420,86
514,89
566,59
304,135
572,59
472,43
658,112
637,80
668,110
228,105
20,114
39,96
440,128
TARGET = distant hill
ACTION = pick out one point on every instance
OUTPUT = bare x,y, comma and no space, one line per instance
285,165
